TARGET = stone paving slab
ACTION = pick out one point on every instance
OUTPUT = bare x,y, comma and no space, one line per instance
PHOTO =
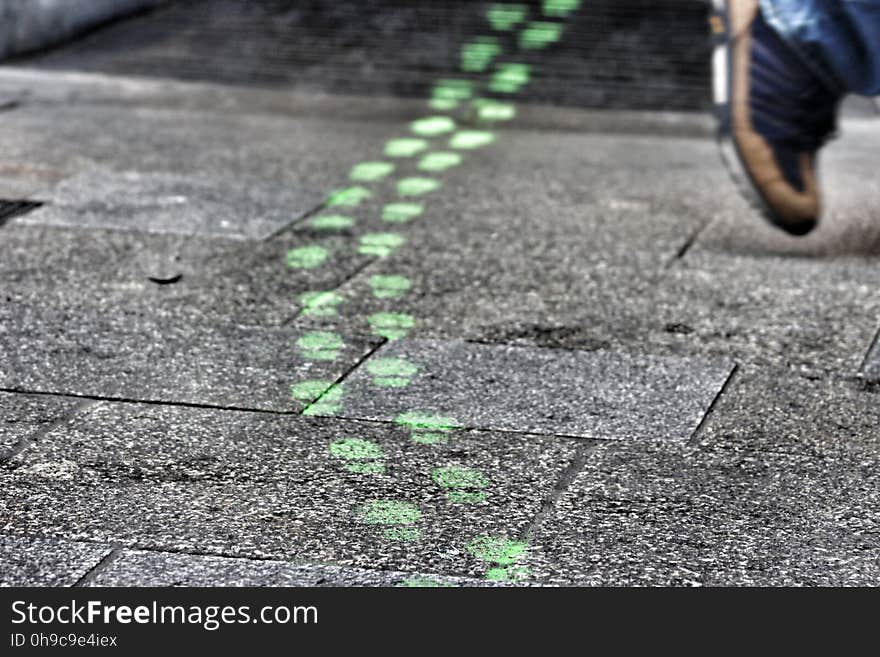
655,515
174,203
22,417
593,395
143,568
256,485
111,356
36,561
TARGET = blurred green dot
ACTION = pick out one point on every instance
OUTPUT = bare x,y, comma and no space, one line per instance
401,212
349,197
439,161
417,186
405,147
371,171
432,126
471,139
331,222
307,257
504,17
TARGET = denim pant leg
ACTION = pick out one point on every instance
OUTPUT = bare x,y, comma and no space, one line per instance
839,39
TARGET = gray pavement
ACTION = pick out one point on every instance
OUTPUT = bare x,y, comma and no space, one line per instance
565,354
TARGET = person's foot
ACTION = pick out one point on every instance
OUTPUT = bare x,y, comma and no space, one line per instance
774,114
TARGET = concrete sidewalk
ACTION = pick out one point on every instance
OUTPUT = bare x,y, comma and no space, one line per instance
549,351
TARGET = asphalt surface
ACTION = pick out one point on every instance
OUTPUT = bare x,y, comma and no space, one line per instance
564,351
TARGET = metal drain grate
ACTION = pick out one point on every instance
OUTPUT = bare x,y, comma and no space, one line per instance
636,54
10,209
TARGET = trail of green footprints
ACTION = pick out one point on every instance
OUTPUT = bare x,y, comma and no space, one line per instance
436,143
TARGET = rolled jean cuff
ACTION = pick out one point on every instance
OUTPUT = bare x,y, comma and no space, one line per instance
788,33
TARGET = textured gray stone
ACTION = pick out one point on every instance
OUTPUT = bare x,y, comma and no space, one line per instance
123,357
38,561
22,417
142,568
174,203
257,485
871,368
595,395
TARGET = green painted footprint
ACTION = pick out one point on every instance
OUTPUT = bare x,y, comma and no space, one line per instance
330,401
538,34
447,93
360,456
309,391
400,213
320,345
398,518
348,197
381,245
510,78
389,286
432,126
464,485
319,304
417,186
391,372
391,326
504,17
307,257
503,554
471,139
371,171
329,222
477,55
426,427
405,147
439,161
560,8
493,110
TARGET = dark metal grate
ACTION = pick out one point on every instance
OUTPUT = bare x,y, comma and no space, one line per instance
616,53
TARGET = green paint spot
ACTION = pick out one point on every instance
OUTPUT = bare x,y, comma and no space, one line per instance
308,391
389,512
423,583
417,186
471,139
307,257
392,326
405,147
457,477
509,78
508,574
505,17
390,286
320,345
538,34
443,104
331,222
453,89
426,420
466,496
432,126
439,161
363,455
401,212
423,438
492,110
371,171
349,197
380,244
403,534
477,55
391,372
498,551
329,403
560,8
319,304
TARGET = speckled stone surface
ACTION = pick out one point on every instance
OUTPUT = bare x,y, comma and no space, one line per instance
37,561
258,485
23,417
142,568
592,395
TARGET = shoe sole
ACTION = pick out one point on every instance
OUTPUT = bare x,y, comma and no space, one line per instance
722,90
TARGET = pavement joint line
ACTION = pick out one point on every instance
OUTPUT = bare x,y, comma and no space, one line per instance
690,242
874,346
27,441
96,570
708,413
566,478
341,379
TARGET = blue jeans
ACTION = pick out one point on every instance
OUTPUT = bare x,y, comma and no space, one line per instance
838,39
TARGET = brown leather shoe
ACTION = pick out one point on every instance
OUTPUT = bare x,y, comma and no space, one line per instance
775,115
